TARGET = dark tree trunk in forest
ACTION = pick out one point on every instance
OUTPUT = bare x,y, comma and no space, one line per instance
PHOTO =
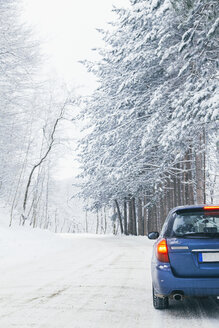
186,178
200,192
163,213
119,216
134,217
140,218
175,189
152,224
200,170
179,185
190,177
98,222
125,218
165,204
145,217
171,192
130,216
105,220
183,200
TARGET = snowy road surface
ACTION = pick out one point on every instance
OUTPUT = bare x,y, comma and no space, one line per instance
82,281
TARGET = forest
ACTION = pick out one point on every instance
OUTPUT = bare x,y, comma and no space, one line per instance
152,133
150,129
33,109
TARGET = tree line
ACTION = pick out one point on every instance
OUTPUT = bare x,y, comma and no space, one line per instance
152,139
33,109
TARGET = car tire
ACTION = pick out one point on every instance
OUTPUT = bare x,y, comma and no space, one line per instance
160,303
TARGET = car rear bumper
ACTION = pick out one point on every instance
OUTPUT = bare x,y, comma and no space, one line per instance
165,283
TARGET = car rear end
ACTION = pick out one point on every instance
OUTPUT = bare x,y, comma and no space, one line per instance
186,255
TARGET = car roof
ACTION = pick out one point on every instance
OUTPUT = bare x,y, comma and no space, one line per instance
190,208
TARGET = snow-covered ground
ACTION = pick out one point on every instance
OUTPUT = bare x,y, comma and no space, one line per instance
80,281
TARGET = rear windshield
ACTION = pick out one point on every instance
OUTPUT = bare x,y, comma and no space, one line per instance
195,225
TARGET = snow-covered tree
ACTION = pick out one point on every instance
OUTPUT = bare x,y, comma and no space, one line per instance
31,110
18,62
155,104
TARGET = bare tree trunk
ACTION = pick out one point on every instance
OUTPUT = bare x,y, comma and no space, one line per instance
145,217
151,219
134,217
86,222
37,193
199,179
19,182
212,189
158,215
179,185
51,143
190,177
186,178
200,170
163,213
34,218
171,186
183,198
130,216
105,220
114,221
125,218
98,222
204,165
119,216
140,218
175,190
101,222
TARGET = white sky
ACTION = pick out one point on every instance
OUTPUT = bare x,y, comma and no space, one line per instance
69,30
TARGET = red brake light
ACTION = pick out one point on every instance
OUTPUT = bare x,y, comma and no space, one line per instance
162,251
211,208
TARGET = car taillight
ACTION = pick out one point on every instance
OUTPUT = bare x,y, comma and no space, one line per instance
211,208
162,251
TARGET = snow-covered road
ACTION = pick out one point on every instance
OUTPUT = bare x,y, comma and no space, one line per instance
82,281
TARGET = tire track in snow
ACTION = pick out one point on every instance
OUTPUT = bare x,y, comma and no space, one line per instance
103,285
196,313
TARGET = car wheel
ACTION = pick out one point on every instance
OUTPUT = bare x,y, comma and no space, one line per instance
160,302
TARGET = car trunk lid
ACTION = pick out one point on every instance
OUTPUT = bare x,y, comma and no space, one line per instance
194,257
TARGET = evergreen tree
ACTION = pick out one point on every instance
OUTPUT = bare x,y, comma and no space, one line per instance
155,104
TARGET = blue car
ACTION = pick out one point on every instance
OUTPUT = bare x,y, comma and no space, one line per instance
185,259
